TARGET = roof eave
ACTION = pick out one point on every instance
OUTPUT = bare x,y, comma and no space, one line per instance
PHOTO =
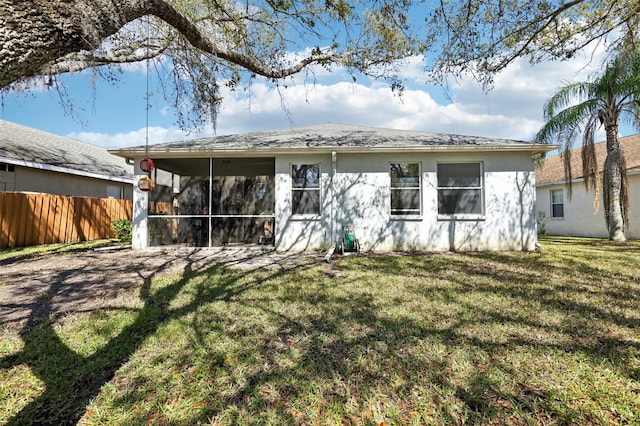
184,152
67,170
630,172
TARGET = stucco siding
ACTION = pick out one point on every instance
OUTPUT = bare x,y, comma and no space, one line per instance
580,218
634,206
508,222
301,232
360,195
27,179
355,189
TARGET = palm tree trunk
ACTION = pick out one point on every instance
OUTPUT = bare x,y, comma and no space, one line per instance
612,186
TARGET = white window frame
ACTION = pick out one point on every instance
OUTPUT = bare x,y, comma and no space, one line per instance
552,203
399,214
479,188
318,189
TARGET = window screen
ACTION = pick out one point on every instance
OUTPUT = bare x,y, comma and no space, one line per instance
460,188
557,203
405,188
305,189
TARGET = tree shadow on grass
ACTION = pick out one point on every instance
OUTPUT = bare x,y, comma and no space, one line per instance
585,314
361,361
332,333
71,380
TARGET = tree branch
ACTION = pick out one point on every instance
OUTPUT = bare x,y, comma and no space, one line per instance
197,39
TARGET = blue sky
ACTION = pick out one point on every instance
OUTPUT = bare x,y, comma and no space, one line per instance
113,115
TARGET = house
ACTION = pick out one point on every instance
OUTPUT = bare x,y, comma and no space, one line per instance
35,161
578,215
297,189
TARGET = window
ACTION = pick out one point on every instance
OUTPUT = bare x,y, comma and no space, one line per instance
460,189
557,203
305,189
405,189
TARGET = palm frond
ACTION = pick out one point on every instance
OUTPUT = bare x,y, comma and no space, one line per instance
571,117
565,127
590,169
565,155
630,115
565,97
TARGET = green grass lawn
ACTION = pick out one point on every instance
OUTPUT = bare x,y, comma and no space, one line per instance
551,337
33,251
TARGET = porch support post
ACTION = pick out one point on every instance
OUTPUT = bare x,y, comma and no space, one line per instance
140,235
209,224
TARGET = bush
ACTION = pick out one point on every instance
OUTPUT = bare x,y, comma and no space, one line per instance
542,221
122,228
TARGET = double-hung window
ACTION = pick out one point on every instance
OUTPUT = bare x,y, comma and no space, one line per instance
305,189
460,189
405,189
557,204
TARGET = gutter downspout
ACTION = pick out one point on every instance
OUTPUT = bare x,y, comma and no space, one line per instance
332,208
334,158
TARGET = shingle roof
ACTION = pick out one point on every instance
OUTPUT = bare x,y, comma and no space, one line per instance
331,136
26,144
552,170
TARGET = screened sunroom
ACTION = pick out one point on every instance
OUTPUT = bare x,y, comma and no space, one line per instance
209,202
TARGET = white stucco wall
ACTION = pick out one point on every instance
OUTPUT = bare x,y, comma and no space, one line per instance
361,197
302,232
633,231
580,219
27,179
359,194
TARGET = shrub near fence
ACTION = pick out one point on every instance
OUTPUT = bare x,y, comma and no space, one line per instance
33,219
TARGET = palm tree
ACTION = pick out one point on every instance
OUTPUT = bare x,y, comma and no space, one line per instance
581,109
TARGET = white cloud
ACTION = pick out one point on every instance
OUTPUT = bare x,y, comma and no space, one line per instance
132,138
353,103
512,109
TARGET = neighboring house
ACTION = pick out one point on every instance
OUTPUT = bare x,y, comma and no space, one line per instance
296,189
577,215
35,161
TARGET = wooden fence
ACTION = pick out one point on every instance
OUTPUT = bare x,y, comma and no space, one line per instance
33,219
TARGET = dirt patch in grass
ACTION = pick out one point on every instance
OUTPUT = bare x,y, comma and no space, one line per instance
55,284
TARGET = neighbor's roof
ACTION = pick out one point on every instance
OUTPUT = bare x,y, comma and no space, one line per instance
330,137
29,147
552,170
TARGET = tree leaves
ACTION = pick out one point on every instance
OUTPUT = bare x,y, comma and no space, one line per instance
483,37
